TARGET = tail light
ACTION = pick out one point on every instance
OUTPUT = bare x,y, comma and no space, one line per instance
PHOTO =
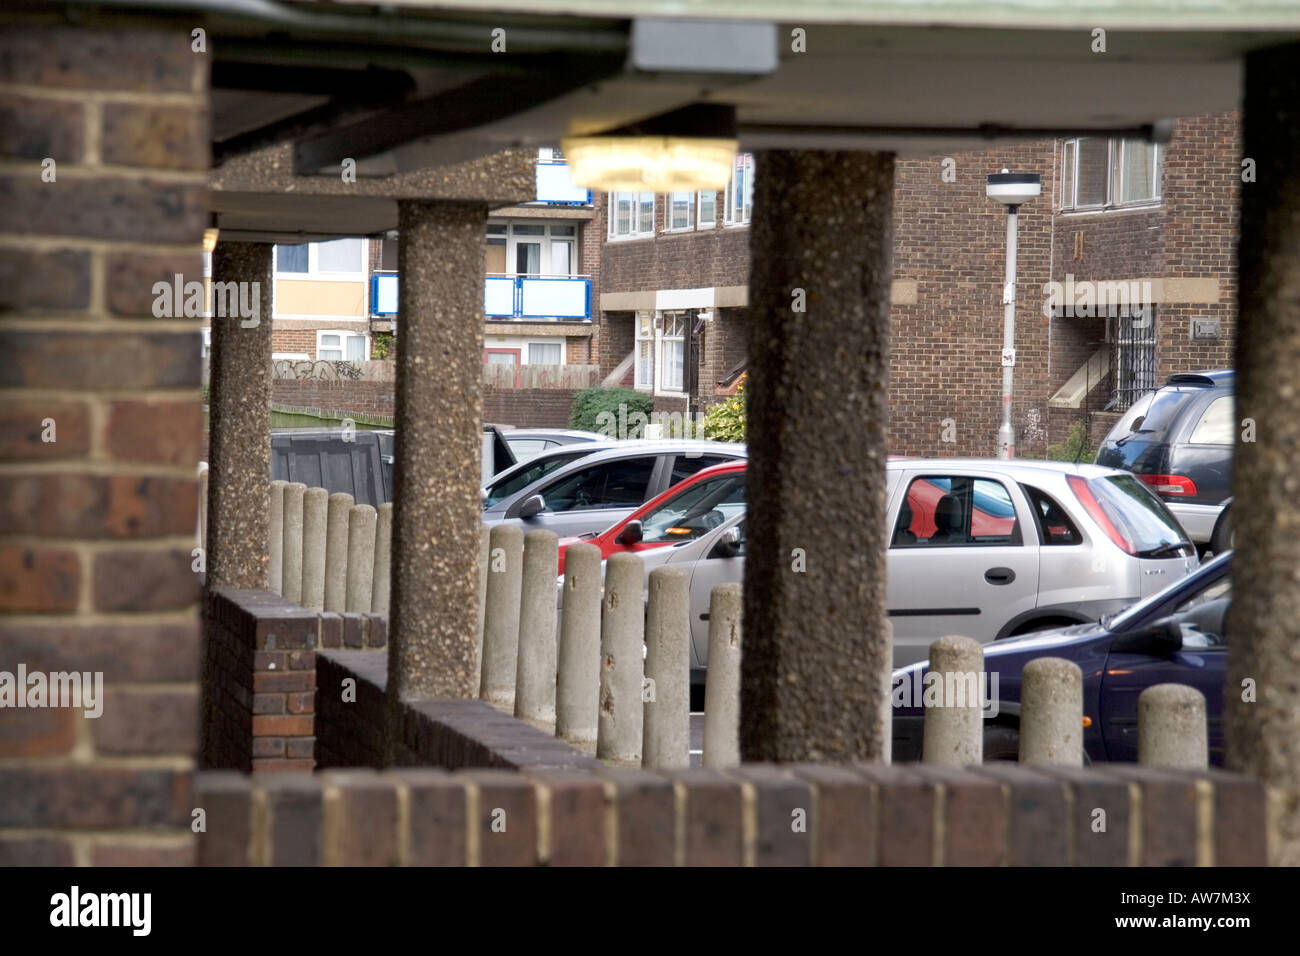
1172,486
1079,485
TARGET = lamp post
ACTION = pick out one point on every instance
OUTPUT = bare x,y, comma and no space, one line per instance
1011,189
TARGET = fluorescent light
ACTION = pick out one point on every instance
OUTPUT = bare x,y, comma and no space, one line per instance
660,164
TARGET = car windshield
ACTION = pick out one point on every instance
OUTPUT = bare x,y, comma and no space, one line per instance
1140,516
1152,414
524,475
700,508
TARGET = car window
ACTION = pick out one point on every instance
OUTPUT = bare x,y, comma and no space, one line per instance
1204,616
1158,417
700,508
1054,525
1216,424
950,511
686,465
525,448
515,480
612,484
1139,516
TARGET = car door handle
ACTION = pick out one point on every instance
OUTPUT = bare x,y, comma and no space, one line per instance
999,575
704,616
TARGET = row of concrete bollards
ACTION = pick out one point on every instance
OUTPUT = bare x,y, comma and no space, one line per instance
1171,717
328,553
615,680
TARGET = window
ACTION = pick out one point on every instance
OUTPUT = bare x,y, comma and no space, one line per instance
1216,425
740,191
544,353
708,215
1098,173
614,484
679,211
946,512
342,258
531,249
686,465
1132,336
291,258
631,214
1054,525
700,508
645,350
205,346
518,479
341,346
672,352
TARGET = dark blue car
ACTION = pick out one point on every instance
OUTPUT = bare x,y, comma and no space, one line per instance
1174,636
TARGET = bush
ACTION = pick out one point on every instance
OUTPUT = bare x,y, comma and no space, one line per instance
1076,446
726,421
381,346
591,403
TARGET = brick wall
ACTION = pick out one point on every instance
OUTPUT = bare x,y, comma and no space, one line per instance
294,340
528,407
678,260
342,398
99,435
724,344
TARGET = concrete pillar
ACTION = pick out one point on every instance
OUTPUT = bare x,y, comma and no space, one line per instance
954,721
275,542
315,513
666,694
1171,727
501,621
382,584
722,687
820,279
1262,719
535,670
1051,712
291,578
336,550
577,690
361,559
437,507
485,537
239,407
622,633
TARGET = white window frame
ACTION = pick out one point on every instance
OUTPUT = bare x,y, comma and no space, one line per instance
747,199
643,335
548,239
1068,201
343,344
634,219
663,337
313,273
528,352
691,203
699,209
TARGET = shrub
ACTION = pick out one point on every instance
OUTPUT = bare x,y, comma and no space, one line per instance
726,421
381,346
1076,446
590,403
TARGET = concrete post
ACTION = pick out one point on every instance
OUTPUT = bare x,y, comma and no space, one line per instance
381,588
577,691
1051,712
954,722
1262,719
360,578
239,514
818,409
336,551
722,689
294,527
437,470
501,621
315,513
1171,727
666,693
484,546
535,671
622,633
275,542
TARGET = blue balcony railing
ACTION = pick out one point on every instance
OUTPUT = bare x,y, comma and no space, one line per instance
505,296
555,188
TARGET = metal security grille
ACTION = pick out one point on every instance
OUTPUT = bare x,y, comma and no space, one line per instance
1132,337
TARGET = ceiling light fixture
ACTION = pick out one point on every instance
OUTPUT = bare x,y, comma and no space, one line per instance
682,151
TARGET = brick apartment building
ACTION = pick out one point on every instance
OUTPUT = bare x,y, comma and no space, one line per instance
1161,219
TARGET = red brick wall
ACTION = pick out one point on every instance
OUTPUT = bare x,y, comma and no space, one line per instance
294,340
343,397
679,260
528,407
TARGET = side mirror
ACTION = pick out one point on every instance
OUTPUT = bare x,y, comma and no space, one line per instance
533,505
631,534
1159,639
729,544
482,496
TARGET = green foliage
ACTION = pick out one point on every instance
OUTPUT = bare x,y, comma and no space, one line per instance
726,421
1076,446
591,403
381,345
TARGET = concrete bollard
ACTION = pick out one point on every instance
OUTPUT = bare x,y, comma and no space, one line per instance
722,689
622,632
535,670
336,551
666,693
315,511
485,536
382,585
1051,713
954,728
294,527
1171,727
275,538
577,689
501,617
360,580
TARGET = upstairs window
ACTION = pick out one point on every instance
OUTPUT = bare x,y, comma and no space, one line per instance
1100,173
631,215
740,191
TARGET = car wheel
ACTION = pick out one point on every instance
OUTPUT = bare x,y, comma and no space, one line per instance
1222,538
1001,744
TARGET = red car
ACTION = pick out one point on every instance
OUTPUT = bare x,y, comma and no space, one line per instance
686,510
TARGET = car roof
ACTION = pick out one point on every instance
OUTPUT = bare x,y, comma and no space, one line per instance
942,466
575,433
1216,377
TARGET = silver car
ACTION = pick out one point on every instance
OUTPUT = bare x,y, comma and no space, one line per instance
601,488
987,549
528,443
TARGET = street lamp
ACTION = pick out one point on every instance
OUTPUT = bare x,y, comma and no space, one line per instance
1011,189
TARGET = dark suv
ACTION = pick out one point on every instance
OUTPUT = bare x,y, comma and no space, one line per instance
1178,439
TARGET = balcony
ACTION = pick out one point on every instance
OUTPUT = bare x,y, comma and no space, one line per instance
555,188
505,297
